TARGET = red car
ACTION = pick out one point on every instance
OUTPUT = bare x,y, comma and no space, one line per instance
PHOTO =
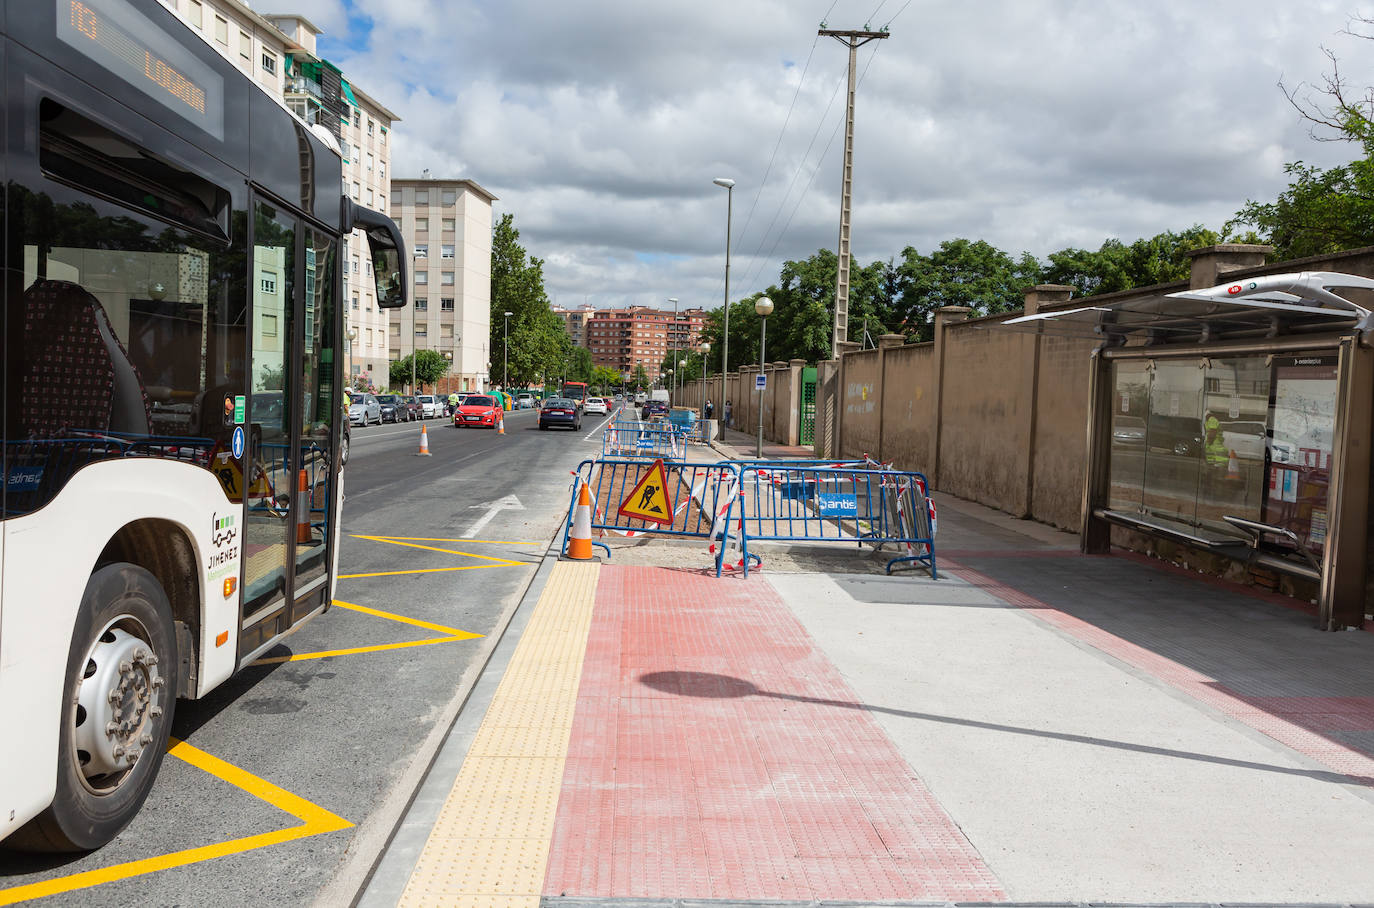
477,410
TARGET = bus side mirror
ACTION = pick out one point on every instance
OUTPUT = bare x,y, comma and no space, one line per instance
388,253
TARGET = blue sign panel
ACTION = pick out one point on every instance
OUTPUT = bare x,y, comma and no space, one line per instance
838,504
24,479
644,442
761,381
236,444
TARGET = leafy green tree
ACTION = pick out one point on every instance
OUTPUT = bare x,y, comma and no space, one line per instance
537,341
430,366
639,378
604,379
1159,259
1324,211
961,272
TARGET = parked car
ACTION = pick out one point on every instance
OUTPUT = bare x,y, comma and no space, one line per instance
477,410
364,410
1247,439
1128,432
560,411
392,409
594,405
1180,435
524,401
430,406
414,409
653,408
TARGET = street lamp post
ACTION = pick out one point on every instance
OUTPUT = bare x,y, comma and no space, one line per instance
352,336
729,186
764,307
505,355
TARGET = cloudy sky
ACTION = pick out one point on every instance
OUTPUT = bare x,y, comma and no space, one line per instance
1032,124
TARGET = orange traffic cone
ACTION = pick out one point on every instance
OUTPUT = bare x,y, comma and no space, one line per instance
424,442
302,509
1233,467
580,540
500,425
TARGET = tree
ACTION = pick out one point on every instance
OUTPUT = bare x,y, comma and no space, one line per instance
537,341
430,366
1324,211
640,378
1160,259
961,272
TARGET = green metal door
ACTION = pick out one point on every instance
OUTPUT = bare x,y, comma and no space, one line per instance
808,406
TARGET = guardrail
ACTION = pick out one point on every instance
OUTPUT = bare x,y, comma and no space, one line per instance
694,500
635,438
794,501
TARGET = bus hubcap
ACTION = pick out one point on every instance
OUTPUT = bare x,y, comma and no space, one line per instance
116,710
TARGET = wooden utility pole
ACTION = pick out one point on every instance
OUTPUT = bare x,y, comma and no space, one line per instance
854,40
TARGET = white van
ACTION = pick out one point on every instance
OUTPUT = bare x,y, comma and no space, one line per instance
429,406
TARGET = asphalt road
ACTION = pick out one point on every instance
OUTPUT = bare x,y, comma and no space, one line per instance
320,754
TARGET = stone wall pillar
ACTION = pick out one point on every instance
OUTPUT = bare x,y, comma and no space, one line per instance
885,343
1211,264
1036,297
944,317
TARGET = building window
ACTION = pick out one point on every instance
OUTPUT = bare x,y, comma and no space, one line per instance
450,198
356,190
370,201
355,302
344,149
422,278
446,278
446,304
450,224
222,30
371,126
422,331
267,282
355,264
421,224
245,49
422,197
370,162
446,250
446,331
381,170
396,328
382,198
269,326
269,63
421,250
421,304
195,13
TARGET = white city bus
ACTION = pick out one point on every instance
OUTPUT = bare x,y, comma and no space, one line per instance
172,330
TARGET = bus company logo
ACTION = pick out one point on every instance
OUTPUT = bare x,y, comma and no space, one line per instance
23,479
223,531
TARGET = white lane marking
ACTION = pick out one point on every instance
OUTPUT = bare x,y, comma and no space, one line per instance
509,503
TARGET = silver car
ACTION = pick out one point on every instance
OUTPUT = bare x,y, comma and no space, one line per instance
364,409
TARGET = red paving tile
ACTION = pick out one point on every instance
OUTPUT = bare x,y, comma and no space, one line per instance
716,753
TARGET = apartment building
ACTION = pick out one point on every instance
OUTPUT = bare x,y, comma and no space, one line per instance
575,322
622,339
447,227
279,51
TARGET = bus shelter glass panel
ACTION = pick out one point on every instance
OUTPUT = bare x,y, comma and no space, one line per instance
1235,440
269,481
123,331
1174,440
320,412
1303,420
1130,407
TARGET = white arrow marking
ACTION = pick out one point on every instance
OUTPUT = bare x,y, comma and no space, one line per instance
509,503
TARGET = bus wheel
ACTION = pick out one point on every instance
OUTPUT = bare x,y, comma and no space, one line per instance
117,706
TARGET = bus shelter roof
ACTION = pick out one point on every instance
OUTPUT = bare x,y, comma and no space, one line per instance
1272,305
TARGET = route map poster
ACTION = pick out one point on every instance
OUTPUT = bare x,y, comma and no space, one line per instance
1304,423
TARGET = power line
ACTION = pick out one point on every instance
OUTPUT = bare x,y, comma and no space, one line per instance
899,12
800,166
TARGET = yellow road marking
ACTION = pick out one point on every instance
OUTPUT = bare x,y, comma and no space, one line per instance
451,634
436,539
412,545
469,567
314,820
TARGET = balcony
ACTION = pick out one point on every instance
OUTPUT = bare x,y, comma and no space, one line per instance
300,85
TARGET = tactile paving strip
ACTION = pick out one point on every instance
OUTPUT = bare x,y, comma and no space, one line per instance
490,845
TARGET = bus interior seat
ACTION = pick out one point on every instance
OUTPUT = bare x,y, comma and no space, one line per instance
77,375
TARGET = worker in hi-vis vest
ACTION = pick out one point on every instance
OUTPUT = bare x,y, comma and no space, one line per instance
1213,442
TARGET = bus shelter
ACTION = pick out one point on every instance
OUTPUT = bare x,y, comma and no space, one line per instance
1237,420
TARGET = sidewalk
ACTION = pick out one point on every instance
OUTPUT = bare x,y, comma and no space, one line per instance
1036,726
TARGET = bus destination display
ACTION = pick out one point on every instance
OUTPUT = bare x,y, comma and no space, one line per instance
126,43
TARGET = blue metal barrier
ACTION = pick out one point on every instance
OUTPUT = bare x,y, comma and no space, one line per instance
792,501
633,438
702,496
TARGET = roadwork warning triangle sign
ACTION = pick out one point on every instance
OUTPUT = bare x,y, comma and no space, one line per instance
649,500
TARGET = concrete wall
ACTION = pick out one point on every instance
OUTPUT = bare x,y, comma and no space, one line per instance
908,406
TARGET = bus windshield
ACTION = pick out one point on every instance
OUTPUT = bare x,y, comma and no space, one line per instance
575,390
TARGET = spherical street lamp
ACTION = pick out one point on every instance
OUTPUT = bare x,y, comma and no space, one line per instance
763,306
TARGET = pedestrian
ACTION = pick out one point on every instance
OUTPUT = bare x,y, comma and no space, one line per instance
709,408
727,412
